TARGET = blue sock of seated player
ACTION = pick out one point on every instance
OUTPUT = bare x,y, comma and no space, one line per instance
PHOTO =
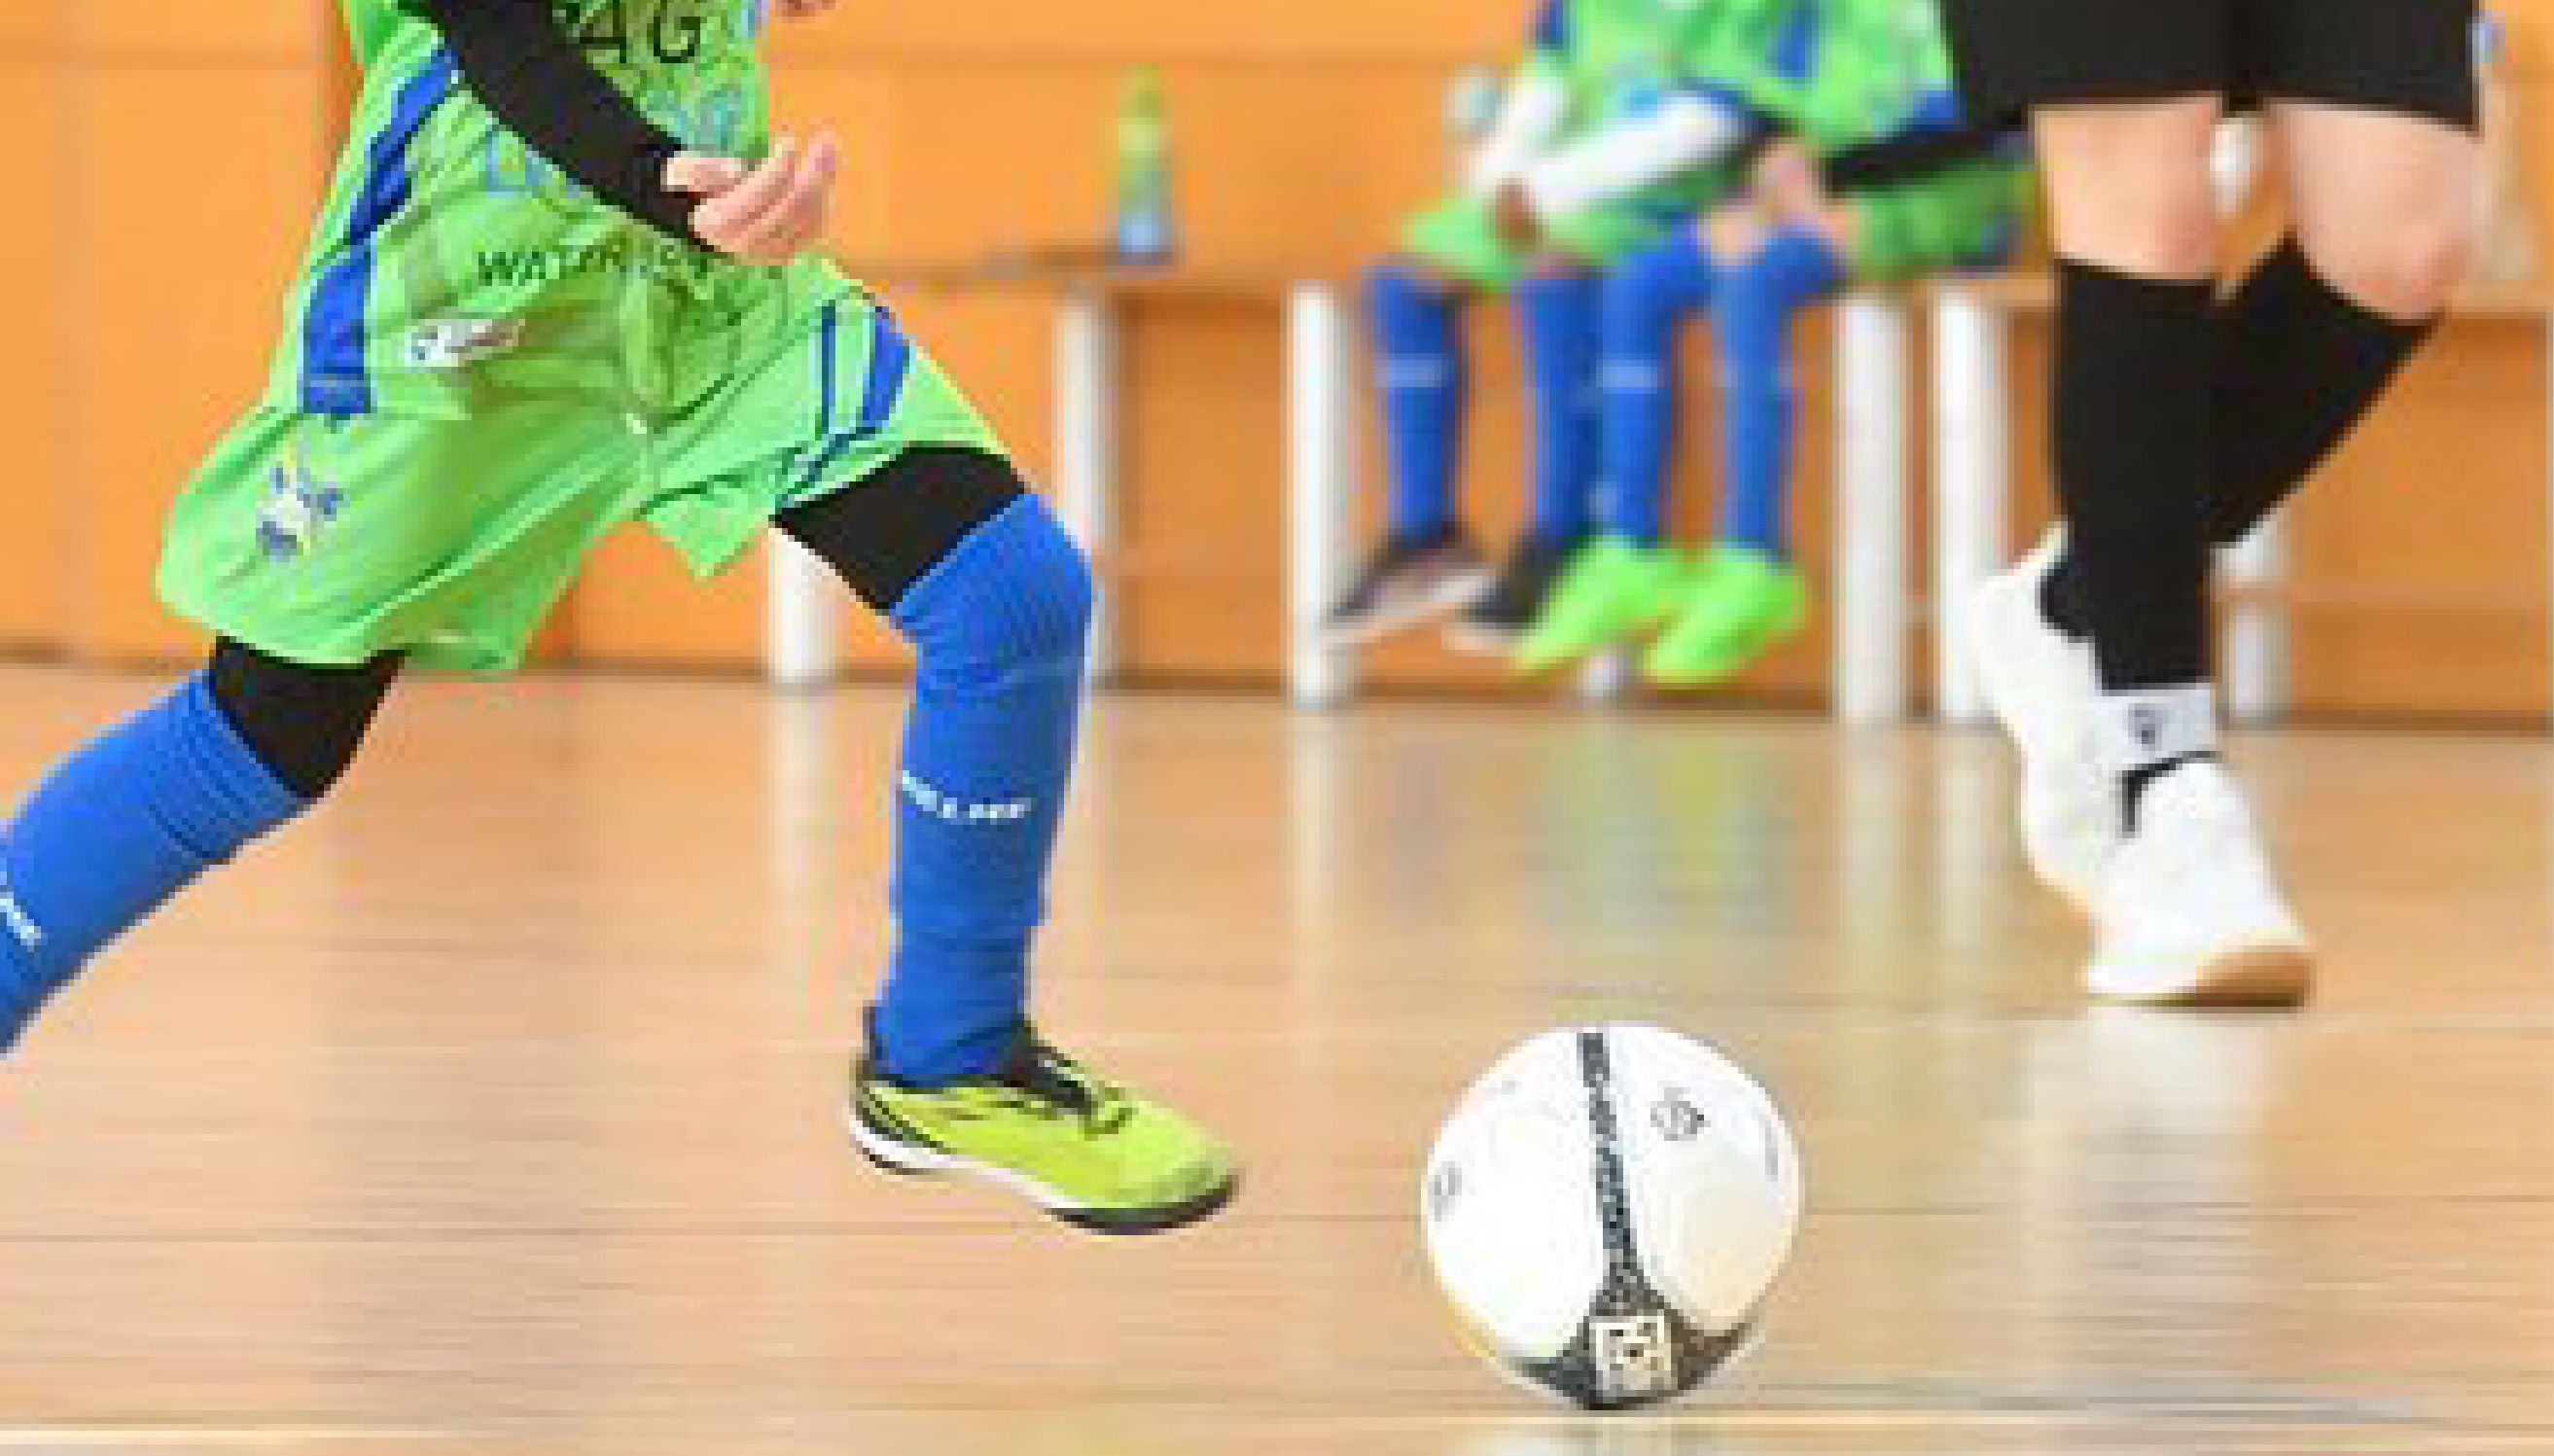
1559,314
118,829
1752,331
999,628
1647,301
1426,383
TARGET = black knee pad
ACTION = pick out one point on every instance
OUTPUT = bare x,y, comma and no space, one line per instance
303,723
883,534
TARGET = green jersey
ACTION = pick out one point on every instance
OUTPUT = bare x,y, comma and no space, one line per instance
1836,72
1619,61
453,266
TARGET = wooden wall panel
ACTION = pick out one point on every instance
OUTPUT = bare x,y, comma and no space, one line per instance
48,479
2422,554
177,301
181,30
1114,32
178,144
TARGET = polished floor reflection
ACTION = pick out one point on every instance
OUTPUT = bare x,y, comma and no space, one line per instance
493,1109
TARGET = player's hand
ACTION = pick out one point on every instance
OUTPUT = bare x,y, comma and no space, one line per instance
805,9
769,213
1790,189
1786,180
1512,214
1736,232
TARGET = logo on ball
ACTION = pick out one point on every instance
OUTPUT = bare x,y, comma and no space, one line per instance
1678,1119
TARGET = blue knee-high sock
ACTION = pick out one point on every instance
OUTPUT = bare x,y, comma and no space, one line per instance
1426,383
118,829
1647,299
1752,323
999,626
1561,318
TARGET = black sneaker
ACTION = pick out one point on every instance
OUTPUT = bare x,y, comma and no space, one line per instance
1494,623
1407,581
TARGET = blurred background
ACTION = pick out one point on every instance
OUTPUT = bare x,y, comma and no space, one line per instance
172,152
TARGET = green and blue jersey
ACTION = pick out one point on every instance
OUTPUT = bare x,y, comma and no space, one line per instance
446,241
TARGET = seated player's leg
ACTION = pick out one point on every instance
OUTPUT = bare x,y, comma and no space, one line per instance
1628,580
1426,565
1561,301
1557,314
1748,594
237,751
908,495
1560,312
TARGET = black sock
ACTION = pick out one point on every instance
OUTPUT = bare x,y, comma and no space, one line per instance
2297,366
2062,596
2132,444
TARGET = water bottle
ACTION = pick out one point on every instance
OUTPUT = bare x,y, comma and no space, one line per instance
1144,232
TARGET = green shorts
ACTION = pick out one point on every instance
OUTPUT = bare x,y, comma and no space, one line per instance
1459,237
330,540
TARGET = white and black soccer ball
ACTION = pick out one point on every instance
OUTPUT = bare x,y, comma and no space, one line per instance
1606,1209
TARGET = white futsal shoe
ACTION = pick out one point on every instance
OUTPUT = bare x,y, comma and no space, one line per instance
2189,914
2044,687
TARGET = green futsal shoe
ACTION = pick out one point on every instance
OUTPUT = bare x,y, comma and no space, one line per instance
1612,591
1740,604
1045,1127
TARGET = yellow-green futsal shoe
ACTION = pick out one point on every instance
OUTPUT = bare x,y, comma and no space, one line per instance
1740,604
1613,591
1089,1151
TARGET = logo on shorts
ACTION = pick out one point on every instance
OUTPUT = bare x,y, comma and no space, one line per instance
298,505
13,914
452,343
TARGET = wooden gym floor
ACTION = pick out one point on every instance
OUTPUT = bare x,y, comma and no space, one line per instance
493,1110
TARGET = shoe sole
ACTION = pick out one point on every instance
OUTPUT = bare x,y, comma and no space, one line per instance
2266,977
1628,633
1451,595
907,1161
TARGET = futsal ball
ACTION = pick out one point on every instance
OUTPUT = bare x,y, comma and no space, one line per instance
1605,1211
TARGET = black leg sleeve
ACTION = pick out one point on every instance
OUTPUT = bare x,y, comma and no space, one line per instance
883,534
303,723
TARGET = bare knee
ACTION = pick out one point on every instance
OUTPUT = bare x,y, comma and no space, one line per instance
2171,232
2405,269
2386,206
2129,187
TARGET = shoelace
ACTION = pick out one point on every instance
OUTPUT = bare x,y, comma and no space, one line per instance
1061,1085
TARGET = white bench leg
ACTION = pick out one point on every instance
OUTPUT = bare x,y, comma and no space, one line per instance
1321,489
2255,638
802,615
1870,575
1972,480
1085,449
